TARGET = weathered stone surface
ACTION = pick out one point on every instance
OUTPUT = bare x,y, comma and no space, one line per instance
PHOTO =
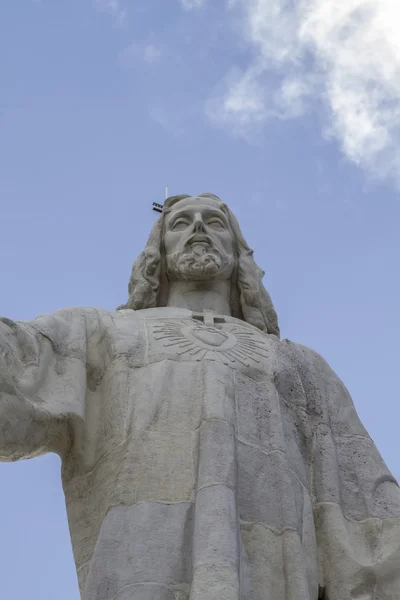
145,543
202,457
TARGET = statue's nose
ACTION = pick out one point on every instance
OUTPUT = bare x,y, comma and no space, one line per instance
199,226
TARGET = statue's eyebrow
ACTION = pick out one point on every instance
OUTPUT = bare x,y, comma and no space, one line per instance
211,212
214,213
182,213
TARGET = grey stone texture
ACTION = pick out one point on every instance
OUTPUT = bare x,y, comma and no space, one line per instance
194,478
202,457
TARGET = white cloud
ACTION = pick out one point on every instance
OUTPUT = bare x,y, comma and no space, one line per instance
342,53
113,7
166,118
192,4
149,53
152,53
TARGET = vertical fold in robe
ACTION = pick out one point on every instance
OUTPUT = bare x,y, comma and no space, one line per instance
356,499
216,529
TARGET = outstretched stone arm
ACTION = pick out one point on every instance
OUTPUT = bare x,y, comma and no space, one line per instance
356,498
42,384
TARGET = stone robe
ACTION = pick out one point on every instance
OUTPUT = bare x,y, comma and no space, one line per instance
201,458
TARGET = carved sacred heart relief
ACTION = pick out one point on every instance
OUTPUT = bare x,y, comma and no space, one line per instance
229,343
209,335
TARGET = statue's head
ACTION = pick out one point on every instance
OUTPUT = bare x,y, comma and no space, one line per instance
199,239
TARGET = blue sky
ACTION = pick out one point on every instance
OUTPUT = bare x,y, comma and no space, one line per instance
291,115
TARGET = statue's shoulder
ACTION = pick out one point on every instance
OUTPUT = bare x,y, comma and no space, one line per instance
92,318
313,369
71,317
68,329
101,321
304,358
162,312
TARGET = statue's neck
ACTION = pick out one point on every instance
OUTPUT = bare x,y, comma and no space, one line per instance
201,295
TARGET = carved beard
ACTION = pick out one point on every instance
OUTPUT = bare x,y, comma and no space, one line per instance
198,262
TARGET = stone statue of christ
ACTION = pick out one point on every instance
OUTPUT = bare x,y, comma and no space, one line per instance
202,457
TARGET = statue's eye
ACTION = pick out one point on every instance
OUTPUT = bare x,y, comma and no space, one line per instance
180,224
216,224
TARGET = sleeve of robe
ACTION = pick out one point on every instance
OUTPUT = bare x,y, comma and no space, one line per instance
356,498
42,384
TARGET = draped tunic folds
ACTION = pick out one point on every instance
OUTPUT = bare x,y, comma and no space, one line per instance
202,459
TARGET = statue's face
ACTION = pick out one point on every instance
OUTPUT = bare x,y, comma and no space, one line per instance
198,241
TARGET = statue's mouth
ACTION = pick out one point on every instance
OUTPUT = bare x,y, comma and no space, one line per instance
200,240
199,248
200,244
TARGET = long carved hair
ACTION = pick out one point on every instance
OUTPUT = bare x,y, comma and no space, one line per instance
250,301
